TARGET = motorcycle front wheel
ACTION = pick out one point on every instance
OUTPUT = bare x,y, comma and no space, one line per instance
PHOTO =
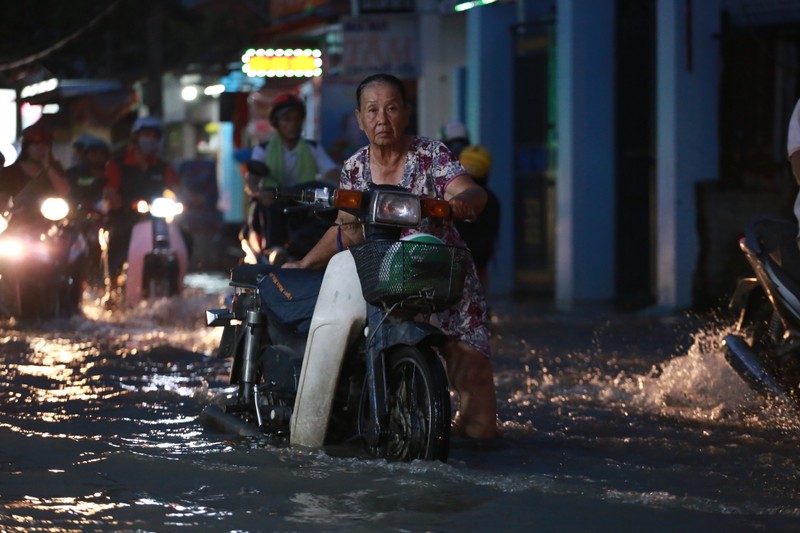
417,423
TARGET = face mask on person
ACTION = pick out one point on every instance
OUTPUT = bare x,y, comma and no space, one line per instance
148,145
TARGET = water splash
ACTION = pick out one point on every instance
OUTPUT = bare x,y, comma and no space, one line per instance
697,385
177,321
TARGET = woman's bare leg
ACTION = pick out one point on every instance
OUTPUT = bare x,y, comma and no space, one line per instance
470,373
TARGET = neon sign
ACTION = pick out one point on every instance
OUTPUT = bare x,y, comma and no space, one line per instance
282,63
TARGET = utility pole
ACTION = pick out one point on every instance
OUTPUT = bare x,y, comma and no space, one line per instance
153,96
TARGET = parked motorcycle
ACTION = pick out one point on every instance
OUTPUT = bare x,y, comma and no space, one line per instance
157,259
304,227
43,260
765,349
347,355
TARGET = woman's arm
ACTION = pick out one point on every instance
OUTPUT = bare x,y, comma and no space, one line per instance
466,198
344,234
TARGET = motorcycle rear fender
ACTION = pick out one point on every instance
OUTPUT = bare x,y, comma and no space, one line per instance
141,245
339,316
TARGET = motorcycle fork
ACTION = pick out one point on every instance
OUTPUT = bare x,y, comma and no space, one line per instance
252,339
376,374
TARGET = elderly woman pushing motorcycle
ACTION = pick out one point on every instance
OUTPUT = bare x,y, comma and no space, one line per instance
424,167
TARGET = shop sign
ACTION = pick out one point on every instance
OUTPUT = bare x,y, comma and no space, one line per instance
377,43
280,63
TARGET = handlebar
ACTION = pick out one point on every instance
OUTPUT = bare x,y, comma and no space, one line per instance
308,198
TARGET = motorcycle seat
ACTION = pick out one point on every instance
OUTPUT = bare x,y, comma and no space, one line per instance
290,295
249,275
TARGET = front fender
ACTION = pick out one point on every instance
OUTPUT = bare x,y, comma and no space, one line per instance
414,334
742,293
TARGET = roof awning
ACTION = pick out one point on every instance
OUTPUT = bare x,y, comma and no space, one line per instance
69,89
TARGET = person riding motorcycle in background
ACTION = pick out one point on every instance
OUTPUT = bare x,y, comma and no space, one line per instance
291,160
87,177
138,174
36,174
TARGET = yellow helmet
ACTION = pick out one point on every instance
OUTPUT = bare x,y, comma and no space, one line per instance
476,160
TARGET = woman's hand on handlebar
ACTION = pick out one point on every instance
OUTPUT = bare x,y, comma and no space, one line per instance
461,208
466,198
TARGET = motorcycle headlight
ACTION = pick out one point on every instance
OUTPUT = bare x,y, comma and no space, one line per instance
165,208
54,209
396,208
11,249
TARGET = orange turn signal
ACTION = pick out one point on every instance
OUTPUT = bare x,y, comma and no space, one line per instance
347,199
435,208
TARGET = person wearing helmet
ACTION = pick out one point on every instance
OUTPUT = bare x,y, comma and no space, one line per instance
454,135
480,234
87,176
36,173
424,167
290,160
138,174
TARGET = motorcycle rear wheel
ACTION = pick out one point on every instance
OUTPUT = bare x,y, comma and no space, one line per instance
417,425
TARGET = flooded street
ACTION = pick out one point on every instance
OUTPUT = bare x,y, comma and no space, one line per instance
608,423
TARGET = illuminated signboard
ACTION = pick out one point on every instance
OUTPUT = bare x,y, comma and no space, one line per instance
281,63
39,88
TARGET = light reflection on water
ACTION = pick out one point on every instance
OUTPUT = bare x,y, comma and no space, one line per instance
100,418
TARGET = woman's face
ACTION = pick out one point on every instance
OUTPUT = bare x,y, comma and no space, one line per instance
383,116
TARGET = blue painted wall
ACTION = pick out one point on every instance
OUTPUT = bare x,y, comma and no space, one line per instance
489,117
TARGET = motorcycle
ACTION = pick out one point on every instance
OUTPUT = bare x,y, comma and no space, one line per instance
304,227
764,349
347,356
157,259
43,260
